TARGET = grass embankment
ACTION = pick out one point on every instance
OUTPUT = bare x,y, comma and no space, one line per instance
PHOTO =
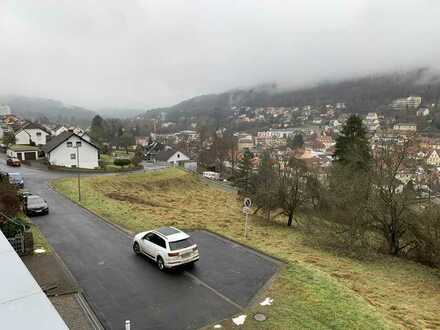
40,241
316,290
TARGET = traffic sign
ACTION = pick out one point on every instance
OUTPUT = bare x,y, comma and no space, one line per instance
247,202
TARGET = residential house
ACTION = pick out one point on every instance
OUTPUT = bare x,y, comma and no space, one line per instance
141,141
171,156
31,133
422,112
405,127
411,102
23,152
433,159
245,142
372,121
59,129
72,150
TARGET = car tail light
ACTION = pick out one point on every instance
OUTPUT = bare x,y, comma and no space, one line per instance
195,248
173,254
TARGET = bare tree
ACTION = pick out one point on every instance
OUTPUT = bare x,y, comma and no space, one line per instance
292,186
391,204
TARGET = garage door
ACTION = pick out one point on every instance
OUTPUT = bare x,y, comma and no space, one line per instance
29,156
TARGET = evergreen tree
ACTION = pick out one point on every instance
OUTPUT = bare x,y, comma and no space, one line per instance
352,146
9,138
296,142
243,174
98,129
265,185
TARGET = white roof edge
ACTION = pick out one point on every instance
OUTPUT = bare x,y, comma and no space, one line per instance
23,305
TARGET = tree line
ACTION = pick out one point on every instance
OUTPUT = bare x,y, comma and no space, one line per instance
369,198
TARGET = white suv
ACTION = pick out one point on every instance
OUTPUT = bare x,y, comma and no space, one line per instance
167,246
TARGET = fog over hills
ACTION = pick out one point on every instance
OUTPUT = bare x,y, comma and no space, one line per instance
34,108
361,95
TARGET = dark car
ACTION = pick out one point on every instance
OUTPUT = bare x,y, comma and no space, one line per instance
12,178
13,162
35,205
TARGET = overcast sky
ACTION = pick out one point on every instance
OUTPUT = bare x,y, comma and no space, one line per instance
148,53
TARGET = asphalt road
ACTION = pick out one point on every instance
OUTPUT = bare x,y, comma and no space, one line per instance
121,286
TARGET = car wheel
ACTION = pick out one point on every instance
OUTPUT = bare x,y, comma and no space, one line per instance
160,264
136,248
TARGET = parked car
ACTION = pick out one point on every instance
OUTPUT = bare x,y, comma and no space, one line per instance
14,178
35,205
167,246
13,162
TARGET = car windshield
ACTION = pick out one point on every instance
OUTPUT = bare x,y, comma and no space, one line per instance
182,244
15,177
35,201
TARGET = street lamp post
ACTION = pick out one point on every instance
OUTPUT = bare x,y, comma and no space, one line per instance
79,176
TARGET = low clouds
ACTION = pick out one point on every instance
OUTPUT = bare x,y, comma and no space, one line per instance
149,53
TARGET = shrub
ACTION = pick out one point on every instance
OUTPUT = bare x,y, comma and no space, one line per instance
122,162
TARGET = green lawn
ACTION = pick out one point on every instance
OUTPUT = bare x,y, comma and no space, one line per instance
316,290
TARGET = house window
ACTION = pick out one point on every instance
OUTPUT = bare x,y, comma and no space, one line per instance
69,144
72,156
38,133
78,143
178,155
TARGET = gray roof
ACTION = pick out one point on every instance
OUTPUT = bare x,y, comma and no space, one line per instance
57,140
165,154
31,125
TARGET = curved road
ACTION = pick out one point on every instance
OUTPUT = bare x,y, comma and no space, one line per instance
121,286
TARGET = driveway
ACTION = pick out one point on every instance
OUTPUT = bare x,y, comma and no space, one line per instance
121,286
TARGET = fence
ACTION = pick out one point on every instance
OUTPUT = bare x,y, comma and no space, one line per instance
17,243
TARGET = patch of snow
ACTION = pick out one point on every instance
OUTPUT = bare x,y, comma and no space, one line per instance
239,320
40,250
217,326
266,302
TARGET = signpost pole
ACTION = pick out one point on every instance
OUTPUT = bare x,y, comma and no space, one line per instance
246,225
246,210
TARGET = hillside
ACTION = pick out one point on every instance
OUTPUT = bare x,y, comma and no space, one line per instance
361,95
38,108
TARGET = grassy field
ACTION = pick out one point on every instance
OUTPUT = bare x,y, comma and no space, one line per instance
316,290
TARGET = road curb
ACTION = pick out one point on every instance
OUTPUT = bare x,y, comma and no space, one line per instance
115,226
79,295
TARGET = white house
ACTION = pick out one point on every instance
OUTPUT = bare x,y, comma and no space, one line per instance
60,129
433,159
422,112
23,152
31,132
71,150
172,156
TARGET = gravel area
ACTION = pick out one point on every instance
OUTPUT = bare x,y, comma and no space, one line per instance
71,312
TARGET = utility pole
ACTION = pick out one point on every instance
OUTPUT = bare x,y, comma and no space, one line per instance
79,175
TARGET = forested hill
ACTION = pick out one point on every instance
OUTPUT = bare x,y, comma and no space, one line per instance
361,95
33,108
